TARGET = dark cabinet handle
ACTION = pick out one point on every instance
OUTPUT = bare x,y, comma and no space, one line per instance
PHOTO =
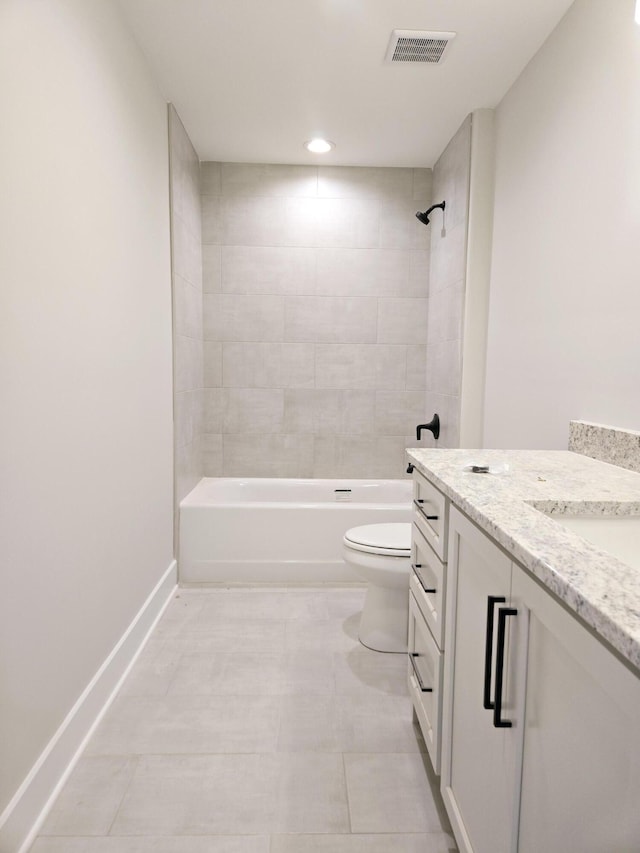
503,613
412,657
415,568
492,600
418,503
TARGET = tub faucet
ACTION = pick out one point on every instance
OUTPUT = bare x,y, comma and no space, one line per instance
433,425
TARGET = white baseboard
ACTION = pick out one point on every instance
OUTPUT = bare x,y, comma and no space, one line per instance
267,571
23,817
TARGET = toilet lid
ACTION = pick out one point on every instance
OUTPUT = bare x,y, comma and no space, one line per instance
392,539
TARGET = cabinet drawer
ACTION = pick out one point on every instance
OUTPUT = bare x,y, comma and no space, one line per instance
427,583
425,680
430,514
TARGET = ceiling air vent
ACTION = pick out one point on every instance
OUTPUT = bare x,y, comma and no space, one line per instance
417,46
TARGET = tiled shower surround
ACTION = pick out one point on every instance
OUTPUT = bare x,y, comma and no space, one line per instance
316,286
186,276
447,285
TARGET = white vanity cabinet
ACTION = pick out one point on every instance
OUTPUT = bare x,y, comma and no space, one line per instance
581,751
427,590
480,762
541,722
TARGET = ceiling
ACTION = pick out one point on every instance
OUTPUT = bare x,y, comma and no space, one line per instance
253,79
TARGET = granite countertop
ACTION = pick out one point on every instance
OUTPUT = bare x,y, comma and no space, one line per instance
603,591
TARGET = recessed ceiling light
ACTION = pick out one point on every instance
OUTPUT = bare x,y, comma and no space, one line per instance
319,146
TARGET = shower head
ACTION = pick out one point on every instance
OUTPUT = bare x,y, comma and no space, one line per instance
424,217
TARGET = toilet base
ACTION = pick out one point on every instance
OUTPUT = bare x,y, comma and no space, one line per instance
384,623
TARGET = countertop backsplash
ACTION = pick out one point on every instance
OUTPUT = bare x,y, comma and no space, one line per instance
606,443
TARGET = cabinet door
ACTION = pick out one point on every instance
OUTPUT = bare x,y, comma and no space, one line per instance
480,762
581,755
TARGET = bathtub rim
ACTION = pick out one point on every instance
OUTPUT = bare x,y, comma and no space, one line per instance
193,502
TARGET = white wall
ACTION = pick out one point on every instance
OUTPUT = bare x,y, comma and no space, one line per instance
565,295
85,314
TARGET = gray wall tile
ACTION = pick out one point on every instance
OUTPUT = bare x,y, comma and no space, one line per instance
268,365
445,314
188,469
188,359
213,410
328,319
316,285
391,367
189,417
419,271
398,412
402,321
187,301
360,456
231,317
345,366
186,253
268,455
443,368
211,268
347,223
367,272
449,410
254,410
448,257
212,352
186,276
212,455
343,455
300,411
298,365
210,178
399,228
423,186
268,269
416,368
261,179
447,285
329,411
251,365
212,219
359,182
253,221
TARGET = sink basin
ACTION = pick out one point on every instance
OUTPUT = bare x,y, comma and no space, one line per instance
618,535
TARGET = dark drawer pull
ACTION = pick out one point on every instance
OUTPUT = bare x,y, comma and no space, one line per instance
415,568
498,722
492,600
418,502
412,657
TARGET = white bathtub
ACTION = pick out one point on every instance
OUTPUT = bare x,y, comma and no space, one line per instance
236,530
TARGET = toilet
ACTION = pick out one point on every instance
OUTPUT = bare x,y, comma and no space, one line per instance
381,555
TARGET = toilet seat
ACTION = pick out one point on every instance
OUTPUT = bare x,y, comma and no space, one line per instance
391,540
380,554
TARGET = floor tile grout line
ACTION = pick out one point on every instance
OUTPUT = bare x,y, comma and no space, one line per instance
136,762
346,789
191,641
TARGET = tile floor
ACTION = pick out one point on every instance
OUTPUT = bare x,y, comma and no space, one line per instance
254,722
